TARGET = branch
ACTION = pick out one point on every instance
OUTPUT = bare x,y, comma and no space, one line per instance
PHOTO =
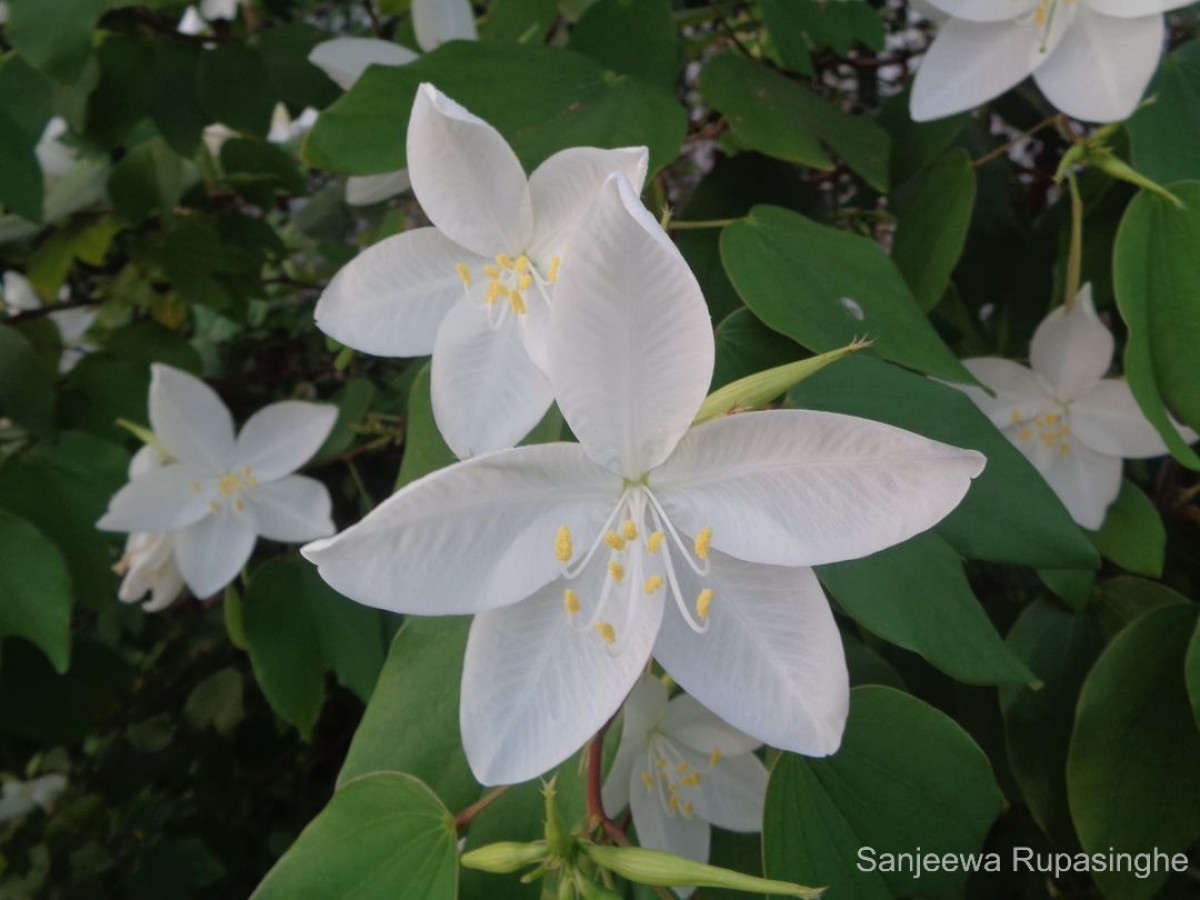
463,819
43,311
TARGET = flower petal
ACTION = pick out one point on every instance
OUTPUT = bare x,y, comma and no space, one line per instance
1108,420
474,536
292,509
189,419
1072,350
565,186
688,721
487,393
658,830
1086,482
985,10
160,500
803,488
537,683
1019,394
466,177
731,793
280,438
344,59
771,662
364,190
631,346
439,21
211,552
1129,9
390,299
645,706
1100,70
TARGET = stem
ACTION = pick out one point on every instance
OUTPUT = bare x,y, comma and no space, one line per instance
1008,145
367,502
48,309
1075,257
463,819
596,813
706,223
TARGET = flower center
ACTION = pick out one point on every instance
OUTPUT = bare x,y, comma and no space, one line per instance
228,488
676,781
509,282
1043,18
1052,429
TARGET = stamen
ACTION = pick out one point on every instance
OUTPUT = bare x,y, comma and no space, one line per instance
687,810
563,550
653,583
672,579
573,571
238,505
648,781
714,757
196,487
703,539
522,264
617,571
524,281
606,632
464,273
517,302
504,261
629,530
703,602
214,506
614,540
552,272
571,601
494,290
248,477
654,542
491,272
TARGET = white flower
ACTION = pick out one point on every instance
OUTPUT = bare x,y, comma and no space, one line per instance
679,769
148,564
581,559
1070,421
284,128
475,289
1091,58
19,798
218,494
195,20
72,324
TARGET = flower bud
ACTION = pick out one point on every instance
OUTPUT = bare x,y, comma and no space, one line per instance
659,869
505,857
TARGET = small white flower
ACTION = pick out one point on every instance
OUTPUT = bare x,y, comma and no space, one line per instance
19,798
1091,58
148,564
217,495
195,20
679,769
72,324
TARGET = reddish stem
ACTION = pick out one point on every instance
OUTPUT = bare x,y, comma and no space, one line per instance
594,792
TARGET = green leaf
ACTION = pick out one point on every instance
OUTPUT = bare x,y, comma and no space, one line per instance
916,596
1133,535
424,449
54,35
825,288
523,21
745,346
26,95
791,41
123,95
552,99
1060,647
633,37
149,179
174,104
1010,514
905,776
217,701
298,82
35,590
411,723
1192,668
235,88
837,25
1122,600
178,867
931,229
353,403
1158,292
26,395
1164,134
258,170
1132,776
382,837
20,174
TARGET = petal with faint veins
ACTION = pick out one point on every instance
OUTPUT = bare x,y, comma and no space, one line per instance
1108,419
190,420
1072,350
1019,394
160,500
658,830
211,552
292,509
985,10
280,438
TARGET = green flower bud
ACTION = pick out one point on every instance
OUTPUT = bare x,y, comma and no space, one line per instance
505,857
653,867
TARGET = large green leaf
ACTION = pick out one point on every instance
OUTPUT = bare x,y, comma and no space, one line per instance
1158,292
54,35
1164,134
1009,514
916,596
234,87
906,776
1132,773
824,288
1133,535
552,99
26,395
634,37
382,837
35,590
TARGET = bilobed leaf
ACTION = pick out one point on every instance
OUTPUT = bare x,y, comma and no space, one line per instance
384,836
906,776
35,590
149,179
633,37
1164,134
1133,535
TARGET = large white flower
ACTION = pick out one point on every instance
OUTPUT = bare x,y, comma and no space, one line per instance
72,324
475,289
148,564
1071,422
1091,58
581,559
679,769
218,494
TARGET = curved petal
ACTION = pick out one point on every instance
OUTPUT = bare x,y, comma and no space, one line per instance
1101,68
280,438
631,345
1072,350
466,177
1019,394
565,186
292,509
1130,9
731,793
146,459
438,21
365,190
144,558
344,59
166,589
672,833
190,420
160,500
645,706
985,10
390,299
537,683
771,662
477,535
802,488
73,323
19,295
1108,420
487,393
688,721
628,762
1086,482
211,552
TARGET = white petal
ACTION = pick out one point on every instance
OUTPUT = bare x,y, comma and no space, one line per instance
365,190
1108,420
161,500
802,488
645,706
628,760
487,393
537,683
731,793
564,188
474,536
144,558
344,59
189,419
1071,351
631,346
73,323
1019,394
19,295
212,552
166,589
390,299
1086,482
146,459
688,721
1129,9
771,662
280,438
219,9
985,10
466,177
1100,70
658,830
292,509
438,21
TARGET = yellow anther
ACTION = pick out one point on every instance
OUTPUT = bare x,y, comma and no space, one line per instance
653,583
692,779
682,766
248,477
491,272
1016,416
614,540
660,762
214,506
648,781
703,539
517,302
571,601
715,756
464,273
654,541
607,633
673,803
629,530
562,544
196,487
1026,434
687,810
524,282
703,602
1052,418
552,271
494,290
617,571
1065,449
522,264
504,261
228,485
238,505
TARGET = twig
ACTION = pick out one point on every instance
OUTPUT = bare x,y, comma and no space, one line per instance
463,819
47,310
596,812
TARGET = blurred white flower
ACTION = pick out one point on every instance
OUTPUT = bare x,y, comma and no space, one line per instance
196,18
148,564
284,128
72,324
19,798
